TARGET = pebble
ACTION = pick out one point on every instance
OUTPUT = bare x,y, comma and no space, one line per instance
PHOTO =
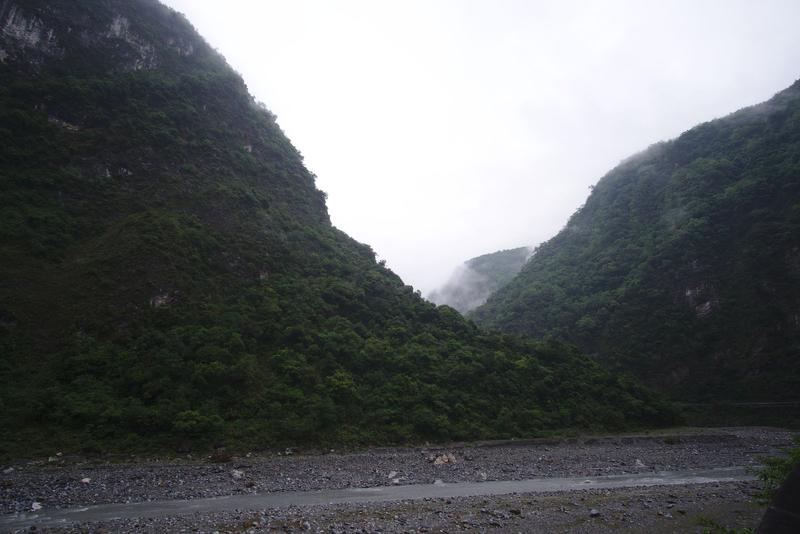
474,514
137,479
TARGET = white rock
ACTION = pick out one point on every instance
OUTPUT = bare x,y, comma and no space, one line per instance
639,463
8,470
448,458
36,506
86,480
237,474
392,474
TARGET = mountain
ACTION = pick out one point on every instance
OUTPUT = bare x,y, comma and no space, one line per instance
476,279
683,266
169,275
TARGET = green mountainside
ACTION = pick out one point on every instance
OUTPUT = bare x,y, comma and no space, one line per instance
169,275
476,279
683,266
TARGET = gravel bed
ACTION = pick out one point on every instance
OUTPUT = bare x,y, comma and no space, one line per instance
653,510
68,482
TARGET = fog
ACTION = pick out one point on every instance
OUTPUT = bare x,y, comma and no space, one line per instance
443,130
464,290
474,281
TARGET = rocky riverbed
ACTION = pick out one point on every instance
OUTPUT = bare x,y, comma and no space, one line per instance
61,482
653,510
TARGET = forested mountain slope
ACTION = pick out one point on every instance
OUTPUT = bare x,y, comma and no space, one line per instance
476,279
683,265
169,275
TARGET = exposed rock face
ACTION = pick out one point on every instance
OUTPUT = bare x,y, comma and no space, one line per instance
144,52
27,31
701,300
37,34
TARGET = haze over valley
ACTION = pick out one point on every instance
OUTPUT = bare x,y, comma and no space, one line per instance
224,262
442,131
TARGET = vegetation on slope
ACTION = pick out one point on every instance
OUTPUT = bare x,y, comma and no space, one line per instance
776,471
477,279
683,266
169,275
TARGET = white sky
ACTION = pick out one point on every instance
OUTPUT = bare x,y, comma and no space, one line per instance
446,129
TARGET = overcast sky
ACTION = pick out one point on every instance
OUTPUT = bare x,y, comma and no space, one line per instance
446,129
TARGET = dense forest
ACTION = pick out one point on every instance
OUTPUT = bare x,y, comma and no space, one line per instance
477,279
169,276
683,266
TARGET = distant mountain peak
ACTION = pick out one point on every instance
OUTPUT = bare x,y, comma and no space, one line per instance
474,281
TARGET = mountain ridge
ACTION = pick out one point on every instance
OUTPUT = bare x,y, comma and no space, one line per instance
682,265
170,276
478,278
